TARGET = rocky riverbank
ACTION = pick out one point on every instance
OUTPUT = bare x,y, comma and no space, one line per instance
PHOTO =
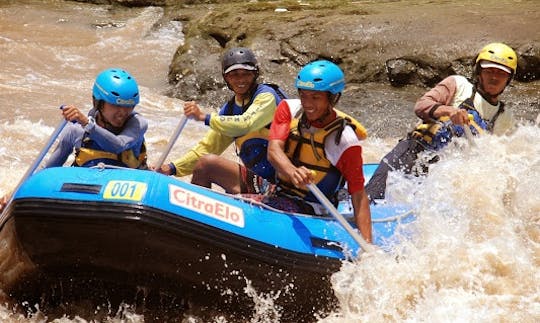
391,51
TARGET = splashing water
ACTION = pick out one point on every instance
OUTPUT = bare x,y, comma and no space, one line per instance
474,257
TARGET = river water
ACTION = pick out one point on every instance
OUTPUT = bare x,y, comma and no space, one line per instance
476,254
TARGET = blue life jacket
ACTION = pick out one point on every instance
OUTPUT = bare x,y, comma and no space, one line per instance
252,147
437,134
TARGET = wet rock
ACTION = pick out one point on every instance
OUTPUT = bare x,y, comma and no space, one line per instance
400,71
396,49
156,3
528,63
381,43
418,71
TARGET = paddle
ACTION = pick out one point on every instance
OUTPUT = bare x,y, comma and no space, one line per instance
36,163
468,132
469,135
174,137
354,234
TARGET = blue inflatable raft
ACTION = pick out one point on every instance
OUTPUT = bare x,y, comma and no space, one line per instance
97,233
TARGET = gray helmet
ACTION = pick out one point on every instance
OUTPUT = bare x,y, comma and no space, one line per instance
239,58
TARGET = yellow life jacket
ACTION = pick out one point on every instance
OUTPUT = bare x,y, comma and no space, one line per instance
257,134
88,157
360,130
438,133
307,149
427,131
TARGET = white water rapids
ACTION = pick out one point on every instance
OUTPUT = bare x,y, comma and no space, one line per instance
475,255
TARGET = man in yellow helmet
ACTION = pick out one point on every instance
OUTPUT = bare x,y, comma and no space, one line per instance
446,109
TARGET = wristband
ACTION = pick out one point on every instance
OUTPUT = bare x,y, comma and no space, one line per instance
173,168
432,110
207,119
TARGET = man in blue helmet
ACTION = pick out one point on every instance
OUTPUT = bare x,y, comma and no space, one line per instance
112,133
312,142
243,120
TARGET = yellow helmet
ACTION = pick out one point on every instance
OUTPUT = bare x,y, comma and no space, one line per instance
500,54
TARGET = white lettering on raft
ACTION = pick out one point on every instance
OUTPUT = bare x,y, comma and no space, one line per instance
208,206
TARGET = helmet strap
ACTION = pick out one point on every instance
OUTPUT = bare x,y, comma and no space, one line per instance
250,92
332,101
98,104
252,85
334,98
100,118
480,88
493,99
325,115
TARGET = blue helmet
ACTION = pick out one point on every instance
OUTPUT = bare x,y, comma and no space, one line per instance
321,75
116,86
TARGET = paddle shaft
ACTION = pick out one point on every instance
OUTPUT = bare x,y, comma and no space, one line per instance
469,135
468,132
37,162
177,131
354,234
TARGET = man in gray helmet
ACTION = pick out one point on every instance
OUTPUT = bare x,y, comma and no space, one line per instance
245,120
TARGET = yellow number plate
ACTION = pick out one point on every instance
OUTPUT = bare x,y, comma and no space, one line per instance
124,190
